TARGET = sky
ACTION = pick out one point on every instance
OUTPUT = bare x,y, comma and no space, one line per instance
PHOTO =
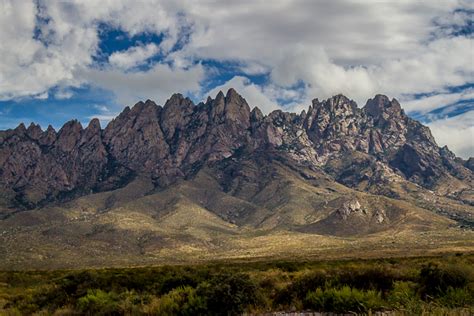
61,60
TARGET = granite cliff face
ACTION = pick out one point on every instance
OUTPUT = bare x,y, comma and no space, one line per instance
357,146
158,180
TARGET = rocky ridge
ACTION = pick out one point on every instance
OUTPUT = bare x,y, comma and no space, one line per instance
377,149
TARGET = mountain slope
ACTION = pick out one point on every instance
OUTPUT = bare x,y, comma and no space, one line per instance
175,182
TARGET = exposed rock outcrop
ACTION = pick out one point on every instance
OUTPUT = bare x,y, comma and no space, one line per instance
364,148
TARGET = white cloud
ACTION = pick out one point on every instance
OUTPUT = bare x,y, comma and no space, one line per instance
101,108
42,96
157,83
429,103
132,57
354,47
358,48
441,63
457,132
29,66
68,38
62,94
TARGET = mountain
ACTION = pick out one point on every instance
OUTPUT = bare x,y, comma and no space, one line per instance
173,182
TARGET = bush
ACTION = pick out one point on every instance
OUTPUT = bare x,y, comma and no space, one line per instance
130,302
10,312
405,285
181,301
367,278
176,281
343,300
435,281
297,290
229,294
460,297
404,296
98,302
287,266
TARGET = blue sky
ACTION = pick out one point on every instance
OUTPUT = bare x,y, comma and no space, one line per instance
83,59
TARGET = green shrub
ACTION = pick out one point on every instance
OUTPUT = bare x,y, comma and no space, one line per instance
457,297
229,294
176,281
181,301
287,266
435,280
225,288
297,290
404,296
98,302
130,302
10,312
367,278
343,300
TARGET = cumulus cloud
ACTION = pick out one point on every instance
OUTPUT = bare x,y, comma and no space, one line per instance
42,96
352,47
306,49
132,57
47,43
31,65
456,132
432,102
157,83
62,94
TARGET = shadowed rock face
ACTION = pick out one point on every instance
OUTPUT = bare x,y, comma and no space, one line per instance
359,147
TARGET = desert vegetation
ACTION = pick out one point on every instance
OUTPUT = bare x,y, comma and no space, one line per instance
408,286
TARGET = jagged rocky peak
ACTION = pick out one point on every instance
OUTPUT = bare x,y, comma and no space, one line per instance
144,108
179,138
176,114
20,129
256,115
69,135
177,100
236,108
94,125
217,106
333,118
232,97
72,126
149,102
140,114
381,107
34,131
50,129
338,104
322,113
48,137
231,107
92,131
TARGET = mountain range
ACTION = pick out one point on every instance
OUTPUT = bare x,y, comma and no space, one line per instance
219,179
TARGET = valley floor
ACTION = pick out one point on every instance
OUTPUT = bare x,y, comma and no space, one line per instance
30,249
